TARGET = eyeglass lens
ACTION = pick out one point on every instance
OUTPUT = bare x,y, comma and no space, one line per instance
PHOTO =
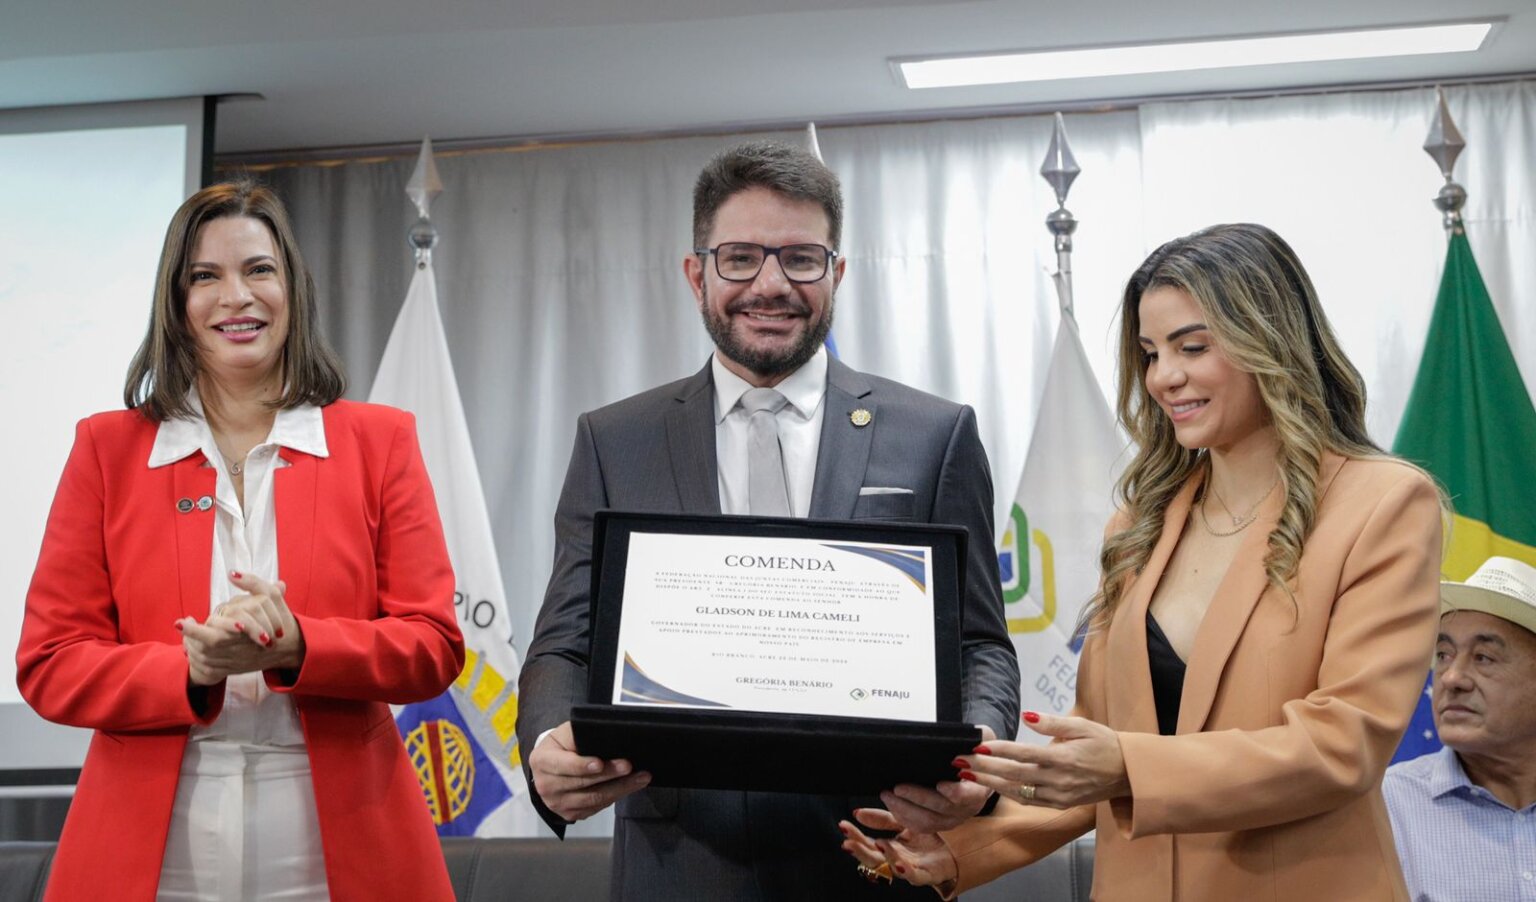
740,262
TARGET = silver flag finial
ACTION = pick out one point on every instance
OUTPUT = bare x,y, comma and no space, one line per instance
813,145
423,186
1060,169
1444,145
1445,142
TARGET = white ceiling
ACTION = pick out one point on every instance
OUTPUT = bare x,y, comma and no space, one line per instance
360,72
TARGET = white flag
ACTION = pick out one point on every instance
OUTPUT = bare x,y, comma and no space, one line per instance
416,374
1049,552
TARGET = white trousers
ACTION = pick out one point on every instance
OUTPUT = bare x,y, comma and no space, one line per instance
243,827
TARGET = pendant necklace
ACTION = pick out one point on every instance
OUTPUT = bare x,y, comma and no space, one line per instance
1239,522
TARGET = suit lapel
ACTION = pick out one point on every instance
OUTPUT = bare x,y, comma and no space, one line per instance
843,454
1128,631
1236,596
294,489
691,445
191,482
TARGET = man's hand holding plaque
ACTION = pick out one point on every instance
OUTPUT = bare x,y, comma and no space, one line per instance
944,806
577,786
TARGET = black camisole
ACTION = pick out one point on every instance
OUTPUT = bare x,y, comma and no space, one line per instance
1167,677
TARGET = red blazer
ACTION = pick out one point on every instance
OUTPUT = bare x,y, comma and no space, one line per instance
361,549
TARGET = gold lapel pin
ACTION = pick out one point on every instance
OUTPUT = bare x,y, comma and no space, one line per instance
861,418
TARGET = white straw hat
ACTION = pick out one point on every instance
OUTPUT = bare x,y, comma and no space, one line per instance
1502,587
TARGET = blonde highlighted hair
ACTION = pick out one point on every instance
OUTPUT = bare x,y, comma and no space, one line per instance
1264,315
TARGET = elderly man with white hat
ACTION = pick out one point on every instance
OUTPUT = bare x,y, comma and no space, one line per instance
1465,817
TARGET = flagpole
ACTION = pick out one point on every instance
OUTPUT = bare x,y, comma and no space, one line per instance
812,143
1444,145
1060,169
423,237
462,743
424,185
1048,553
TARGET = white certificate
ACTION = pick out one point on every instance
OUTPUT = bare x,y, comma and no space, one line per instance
778,625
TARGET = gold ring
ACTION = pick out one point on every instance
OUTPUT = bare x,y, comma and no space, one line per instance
1026,792
876,874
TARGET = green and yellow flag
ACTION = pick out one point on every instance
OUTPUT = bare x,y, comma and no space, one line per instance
1470,422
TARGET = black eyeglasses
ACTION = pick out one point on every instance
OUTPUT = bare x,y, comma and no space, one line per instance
739,261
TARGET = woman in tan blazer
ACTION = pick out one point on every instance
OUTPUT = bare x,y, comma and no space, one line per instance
1266,541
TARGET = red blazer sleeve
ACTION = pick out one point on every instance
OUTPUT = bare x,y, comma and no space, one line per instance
72,666
412,649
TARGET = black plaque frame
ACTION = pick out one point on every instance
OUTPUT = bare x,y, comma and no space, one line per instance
737,749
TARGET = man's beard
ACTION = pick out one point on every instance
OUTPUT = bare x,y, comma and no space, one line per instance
766,362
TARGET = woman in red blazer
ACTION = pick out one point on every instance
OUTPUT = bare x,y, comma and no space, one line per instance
240,574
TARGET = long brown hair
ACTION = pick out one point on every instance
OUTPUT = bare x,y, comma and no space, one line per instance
1263,314
165,367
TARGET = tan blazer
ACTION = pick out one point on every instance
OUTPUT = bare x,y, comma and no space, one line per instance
1271,789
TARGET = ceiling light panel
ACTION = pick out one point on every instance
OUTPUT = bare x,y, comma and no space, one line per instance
1268,50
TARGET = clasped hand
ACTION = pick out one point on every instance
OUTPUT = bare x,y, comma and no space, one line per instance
925,809
249,633
1082,765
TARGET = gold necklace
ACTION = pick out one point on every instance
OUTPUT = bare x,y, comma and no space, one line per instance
1239,523
1223,502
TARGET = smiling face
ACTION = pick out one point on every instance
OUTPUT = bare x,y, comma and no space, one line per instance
1485,684
237,301
1211,402
769,327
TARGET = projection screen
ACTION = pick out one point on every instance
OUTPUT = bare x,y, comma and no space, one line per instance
85,195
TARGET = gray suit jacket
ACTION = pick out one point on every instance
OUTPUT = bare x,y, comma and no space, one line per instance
656,452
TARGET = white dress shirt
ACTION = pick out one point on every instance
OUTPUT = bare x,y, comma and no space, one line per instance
799,437
799,432
243,825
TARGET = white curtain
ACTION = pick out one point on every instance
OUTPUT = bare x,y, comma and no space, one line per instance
561,284
1343,177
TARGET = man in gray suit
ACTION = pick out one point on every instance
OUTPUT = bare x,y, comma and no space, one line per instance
847,446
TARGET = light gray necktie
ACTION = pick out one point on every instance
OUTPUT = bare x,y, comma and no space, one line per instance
767,494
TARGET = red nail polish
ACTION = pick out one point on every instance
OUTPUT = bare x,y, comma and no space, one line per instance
180,627
967,775
1031,717
279,632
235,573
959,763
264,639
899,869
981,750
239,627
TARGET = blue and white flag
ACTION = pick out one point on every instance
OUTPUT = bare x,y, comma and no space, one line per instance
461,743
